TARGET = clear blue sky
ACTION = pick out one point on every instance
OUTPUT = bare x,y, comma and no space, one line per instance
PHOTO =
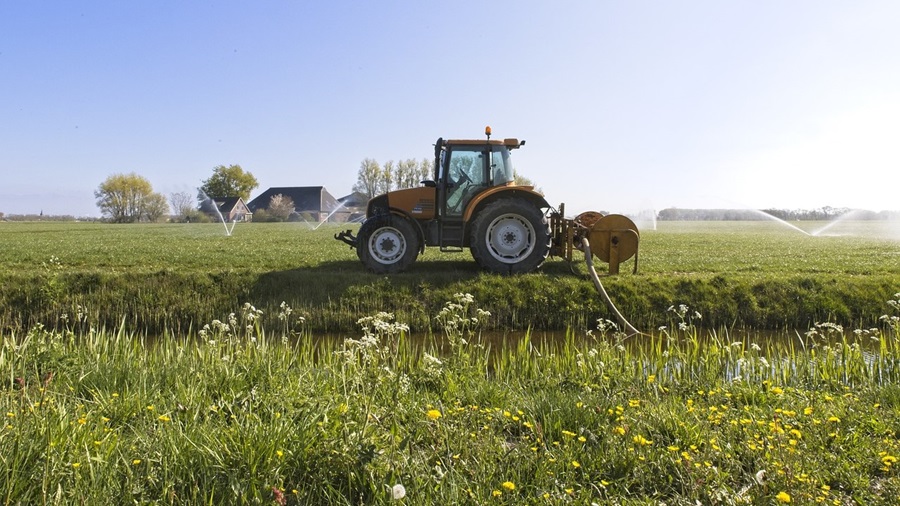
626,105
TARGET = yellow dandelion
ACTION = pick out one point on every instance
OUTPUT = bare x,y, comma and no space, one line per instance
641,440
619,430
163,418
433,414
651,378
496,493
783,497
508,485
576,464
136,462
76,465
634,403
834,419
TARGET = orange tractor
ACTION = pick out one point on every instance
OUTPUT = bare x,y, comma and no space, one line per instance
473,202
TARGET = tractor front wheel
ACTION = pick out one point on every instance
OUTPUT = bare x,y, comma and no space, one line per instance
387,244
510,236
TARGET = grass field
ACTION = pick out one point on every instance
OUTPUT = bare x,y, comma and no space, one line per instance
169,364
171,277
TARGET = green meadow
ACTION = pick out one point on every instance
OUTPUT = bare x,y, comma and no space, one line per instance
173,277
171,364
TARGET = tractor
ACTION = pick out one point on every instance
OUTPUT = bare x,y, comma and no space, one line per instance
474,203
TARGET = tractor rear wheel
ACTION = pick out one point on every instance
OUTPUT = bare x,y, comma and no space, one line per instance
387,244
510,236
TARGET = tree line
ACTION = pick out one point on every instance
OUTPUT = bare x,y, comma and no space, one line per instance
374,179
820,214
129,198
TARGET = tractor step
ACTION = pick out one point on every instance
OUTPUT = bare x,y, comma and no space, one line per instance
452,249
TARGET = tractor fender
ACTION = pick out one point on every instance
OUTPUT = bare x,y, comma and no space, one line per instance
498,192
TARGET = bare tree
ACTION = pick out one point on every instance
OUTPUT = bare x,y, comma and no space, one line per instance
281,207
183,204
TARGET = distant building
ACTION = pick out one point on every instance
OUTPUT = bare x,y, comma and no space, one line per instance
354,205
310,202
229,208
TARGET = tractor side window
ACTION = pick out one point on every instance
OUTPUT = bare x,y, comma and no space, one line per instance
501,167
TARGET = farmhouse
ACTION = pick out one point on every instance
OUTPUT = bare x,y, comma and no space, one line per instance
313,202
230,208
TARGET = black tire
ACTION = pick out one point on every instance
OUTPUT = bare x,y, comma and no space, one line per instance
510,236
387,244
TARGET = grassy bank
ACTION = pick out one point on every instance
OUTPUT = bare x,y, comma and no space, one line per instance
173,277
244,413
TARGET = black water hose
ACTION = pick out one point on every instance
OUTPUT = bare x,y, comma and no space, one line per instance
589,260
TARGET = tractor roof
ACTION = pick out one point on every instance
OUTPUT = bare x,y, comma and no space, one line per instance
509,143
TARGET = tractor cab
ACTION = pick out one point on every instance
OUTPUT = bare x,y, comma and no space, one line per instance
465,168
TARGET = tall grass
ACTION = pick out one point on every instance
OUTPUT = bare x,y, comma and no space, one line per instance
241,412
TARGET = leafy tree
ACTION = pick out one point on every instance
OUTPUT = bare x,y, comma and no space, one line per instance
406,174
386,183
426,169
126,198
229,181
521,180
368,180
281,207
155,207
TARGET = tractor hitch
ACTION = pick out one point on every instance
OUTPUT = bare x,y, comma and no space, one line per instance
347,237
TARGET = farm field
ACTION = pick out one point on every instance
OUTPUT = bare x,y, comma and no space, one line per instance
762,275
171,364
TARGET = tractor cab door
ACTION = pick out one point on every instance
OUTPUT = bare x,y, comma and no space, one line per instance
464,171
466,177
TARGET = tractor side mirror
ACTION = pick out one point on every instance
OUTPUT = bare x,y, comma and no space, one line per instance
429,183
